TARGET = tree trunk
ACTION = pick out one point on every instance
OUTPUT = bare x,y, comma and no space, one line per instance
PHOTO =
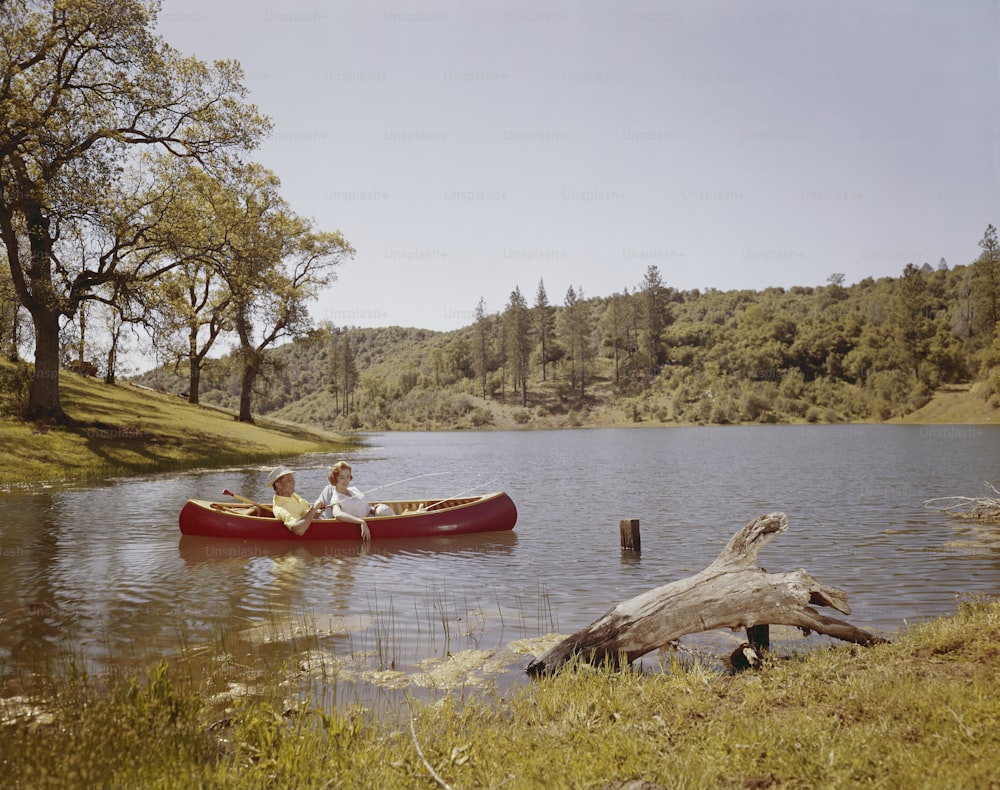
44,404
251,367
194,380
194,366
732,592
38,297
111,367
82,349
111,363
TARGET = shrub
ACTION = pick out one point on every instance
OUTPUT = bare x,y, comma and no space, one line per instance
724,411
460,405
753,405
15,387
480,417
793,383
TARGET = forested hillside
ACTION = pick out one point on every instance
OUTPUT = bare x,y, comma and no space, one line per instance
873,350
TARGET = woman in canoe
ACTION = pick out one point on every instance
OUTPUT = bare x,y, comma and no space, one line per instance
344,502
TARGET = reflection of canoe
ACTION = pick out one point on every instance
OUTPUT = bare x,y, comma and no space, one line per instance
413,519
195,549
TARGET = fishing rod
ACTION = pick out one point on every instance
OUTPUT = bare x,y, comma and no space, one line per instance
404,480
227,492
463,493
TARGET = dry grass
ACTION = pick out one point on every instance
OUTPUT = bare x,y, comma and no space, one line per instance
957,404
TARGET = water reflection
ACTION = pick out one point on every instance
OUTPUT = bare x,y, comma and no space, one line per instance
194,549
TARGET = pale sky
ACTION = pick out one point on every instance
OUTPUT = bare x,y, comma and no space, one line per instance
465,149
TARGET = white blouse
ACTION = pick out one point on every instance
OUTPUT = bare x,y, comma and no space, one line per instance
353,502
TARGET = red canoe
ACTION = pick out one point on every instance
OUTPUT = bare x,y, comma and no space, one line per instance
414,519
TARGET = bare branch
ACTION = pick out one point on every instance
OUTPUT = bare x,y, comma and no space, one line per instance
729,593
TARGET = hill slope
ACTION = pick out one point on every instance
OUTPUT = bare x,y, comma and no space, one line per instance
955,404
871,352
128,429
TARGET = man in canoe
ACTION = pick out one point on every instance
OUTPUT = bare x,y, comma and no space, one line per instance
294,511
344,502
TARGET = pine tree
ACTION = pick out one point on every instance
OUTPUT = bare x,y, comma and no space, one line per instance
544,325
517,327
653,295
481,353
988,271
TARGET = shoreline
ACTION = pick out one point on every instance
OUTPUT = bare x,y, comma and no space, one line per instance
124,430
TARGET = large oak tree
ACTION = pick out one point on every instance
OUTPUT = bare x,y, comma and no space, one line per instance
83,82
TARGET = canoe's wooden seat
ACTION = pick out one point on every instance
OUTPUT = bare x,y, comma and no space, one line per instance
423,506
236,510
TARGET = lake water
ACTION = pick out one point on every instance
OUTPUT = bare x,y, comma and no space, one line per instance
103,571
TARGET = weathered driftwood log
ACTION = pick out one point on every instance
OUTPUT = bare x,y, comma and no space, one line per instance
732,592
986,509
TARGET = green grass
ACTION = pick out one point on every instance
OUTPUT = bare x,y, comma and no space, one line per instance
128,430
921,712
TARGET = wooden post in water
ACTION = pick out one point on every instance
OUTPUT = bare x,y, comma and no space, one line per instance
630,534
759,637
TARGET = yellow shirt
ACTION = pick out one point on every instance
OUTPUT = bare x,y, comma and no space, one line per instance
290,509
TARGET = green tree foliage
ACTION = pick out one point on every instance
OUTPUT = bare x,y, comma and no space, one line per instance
82,82
911,311
653,297
868,351
342,371
13,326
544,317
458,358
615,331
190,305
482,344
272,262
517,327
575,332
988,287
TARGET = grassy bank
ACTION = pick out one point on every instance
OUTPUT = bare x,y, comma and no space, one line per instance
128,430
921,712
955,404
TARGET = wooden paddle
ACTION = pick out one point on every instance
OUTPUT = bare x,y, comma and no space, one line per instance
227,492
